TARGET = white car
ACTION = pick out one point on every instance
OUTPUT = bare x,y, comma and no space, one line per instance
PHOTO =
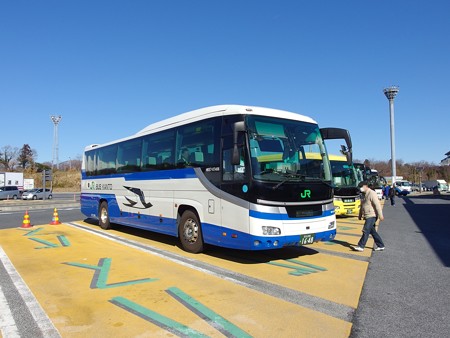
35,194
379,192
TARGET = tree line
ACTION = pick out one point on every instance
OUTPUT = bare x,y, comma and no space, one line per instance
425,171
25,159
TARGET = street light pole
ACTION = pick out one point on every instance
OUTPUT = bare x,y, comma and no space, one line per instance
55,157
390,93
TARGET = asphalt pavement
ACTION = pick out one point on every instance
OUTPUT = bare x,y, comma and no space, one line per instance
40,211
407,288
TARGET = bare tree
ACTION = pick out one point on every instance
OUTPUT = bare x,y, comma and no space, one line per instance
8,157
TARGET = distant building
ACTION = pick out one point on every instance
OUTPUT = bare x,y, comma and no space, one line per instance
446,161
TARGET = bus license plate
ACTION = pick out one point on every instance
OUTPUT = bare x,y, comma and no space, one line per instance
349,211
307,239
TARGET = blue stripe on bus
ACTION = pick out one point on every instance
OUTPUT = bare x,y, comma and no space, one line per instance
284,217
147,175
212,233
221,236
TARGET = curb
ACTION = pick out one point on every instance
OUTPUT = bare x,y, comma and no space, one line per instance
40,206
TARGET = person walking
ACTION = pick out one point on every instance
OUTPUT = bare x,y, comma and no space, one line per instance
392,194
371,211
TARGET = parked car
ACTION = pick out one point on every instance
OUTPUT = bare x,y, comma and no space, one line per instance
35,194
400,192
9,192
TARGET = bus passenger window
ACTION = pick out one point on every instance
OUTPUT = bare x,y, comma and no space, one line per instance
233,172
129,156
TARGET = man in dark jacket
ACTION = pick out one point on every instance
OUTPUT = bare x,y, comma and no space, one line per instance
391,194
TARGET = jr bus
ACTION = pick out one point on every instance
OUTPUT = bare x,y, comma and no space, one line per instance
346,192
345,181
231,176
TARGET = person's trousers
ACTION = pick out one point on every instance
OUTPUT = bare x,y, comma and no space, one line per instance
392,200
369,229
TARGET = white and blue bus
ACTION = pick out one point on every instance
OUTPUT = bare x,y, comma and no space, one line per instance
231,176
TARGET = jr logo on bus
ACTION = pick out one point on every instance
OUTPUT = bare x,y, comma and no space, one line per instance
305,194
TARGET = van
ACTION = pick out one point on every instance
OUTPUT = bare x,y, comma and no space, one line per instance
9,192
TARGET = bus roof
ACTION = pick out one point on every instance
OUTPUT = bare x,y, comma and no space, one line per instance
209,112
214,111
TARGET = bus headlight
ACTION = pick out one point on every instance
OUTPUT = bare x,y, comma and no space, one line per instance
273,231
331,225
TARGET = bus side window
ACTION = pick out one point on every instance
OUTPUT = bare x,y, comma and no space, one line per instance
129,156
197,144
233,172
157,151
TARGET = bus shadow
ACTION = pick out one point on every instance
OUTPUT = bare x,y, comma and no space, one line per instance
260,256
431,214
234,255
146,234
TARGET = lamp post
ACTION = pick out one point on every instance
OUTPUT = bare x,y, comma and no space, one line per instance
55,157
420,169
390,93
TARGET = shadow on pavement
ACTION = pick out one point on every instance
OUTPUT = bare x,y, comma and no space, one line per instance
234,255
432,215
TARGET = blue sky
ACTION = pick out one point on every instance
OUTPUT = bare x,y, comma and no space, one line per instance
112,67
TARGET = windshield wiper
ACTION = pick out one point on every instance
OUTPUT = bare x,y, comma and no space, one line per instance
288,178
317,179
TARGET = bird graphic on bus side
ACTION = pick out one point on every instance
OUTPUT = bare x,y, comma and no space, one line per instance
141,196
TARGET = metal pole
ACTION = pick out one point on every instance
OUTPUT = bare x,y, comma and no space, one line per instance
55,158
393,159
390,93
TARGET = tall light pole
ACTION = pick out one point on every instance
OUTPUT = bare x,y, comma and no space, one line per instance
55,159
390,93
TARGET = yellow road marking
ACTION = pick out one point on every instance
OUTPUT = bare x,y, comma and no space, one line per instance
341,274
78,310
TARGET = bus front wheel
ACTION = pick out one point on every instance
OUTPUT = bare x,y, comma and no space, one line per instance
103,216
190,232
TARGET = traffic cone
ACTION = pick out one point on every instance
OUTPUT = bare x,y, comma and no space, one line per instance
55,219
26,220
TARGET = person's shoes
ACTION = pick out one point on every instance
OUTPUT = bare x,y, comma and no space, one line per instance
358,248
379,249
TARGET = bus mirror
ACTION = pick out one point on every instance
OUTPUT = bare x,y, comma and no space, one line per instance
347,153
338,133
239,127
236,160
349,158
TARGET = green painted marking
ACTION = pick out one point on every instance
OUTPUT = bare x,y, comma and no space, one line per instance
307,264
304,269
345,228
32,232
99,281
297,271
48,245
63,240
156,318
329,243
215,320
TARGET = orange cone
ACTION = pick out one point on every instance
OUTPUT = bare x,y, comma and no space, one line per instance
55,219
26,221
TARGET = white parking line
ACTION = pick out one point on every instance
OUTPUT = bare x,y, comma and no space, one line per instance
42,320
8,327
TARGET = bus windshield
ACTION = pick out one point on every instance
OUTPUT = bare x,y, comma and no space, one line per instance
278,149
344,175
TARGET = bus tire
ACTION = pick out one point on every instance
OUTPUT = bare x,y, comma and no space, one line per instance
190,232
103,216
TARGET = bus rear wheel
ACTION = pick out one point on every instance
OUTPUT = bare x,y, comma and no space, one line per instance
190,232
103,216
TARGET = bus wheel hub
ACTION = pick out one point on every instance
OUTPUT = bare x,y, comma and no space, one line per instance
190,230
